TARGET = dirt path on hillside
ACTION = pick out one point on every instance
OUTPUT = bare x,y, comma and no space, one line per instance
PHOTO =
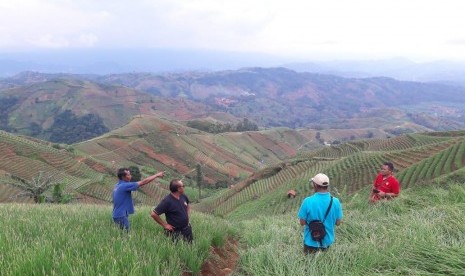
221,261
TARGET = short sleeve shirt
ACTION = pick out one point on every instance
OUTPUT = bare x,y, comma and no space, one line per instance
122,198
314,208
175,210
388,185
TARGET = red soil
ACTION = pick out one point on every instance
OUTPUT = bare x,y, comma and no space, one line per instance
222,260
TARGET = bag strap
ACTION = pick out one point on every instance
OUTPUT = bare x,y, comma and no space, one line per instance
329,207
326,215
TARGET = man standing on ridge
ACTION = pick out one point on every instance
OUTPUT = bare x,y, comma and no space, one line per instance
176,208
323,207
386,185
122,196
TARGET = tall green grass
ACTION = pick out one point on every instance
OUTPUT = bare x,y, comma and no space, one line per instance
419,233
82,240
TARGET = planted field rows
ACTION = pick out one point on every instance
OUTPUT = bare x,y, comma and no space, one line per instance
10,194
267,185
231,144
335,152
355,172
403,159
443,162
277,201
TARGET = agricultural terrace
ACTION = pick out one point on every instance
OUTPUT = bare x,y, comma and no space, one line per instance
418,160
24,158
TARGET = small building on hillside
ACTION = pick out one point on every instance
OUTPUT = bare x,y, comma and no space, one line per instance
291,194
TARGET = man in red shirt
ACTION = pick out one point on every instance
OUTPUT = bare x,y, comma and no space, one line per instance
386,185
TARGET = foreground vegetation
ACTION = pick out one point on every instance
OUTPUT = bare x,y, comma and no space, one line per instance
419,233
81,240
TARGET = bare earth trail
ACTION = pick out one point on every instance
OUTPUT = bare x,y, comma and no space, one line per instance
221,261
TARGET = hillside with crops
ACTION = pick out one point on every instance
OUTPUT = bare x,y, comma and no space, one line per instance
253,164
419,159
151,144
248,228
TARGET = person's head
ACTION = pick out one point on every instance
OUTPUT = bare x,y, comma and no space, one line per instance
387,168
176,185
124,174
320,182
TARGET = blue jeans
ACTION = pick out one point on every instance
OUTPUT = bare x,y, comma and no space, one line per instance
122,223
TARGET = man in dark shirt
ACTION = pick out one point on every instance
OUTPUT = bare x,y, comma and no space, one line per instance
176,208
122,196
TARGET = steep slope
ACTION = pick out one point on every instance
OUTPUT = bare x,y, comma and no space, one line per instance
154,142
47,107
418,158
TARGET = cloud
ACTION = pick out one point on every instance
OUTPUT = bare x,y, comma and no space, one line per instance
49,41
291,27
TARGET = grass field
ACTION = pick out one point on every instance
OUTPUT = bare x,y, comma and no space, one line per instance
419,233
81,240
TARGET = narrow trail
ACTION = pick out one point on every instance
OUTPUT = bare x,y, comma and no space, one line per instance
221,261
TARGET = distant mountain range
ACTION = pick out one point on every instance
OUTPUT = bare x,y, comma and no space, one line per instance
111,61
270,97
399,68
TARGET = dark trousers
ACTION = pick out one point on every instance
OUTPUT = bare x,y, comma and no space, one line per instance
185,232
311,250
122,223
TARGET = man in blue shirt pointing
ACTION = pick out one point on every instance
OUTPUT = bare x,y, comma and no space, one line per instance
122,196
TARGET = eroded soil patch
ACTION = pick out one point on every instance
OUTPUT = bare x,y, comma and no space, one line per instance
221,261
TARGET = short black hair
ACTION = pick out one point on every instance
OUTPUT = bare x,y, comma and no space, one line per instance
122,172
389,165
174,185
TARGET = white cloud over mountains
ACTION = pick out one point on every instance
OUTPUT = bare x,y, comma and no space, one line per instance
310,29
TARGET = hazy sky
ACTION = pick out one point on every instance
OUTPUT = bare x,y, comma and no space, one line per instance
416,29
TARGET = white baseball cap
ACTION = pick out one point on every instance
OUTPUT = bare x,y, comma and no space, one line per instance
321,179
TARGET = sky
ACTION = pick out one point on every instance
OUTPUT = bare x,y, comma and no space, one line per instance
420,30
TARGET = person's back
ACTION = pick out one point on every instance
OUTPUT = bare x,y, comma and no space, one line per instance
314,208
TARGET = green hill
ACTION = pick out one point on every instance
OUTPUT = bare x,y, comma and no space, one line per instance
352,166
151,143
419,233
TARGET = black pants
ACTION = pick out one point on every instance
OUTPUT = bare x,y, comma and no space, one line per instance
185,232
311,249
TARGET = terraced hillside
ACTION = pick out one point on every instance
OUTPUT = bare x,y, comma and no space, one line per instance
418,158
24,158
152,144
87,178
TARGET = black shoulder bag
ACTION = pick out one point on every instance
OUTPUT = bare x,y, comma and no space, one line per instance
317,228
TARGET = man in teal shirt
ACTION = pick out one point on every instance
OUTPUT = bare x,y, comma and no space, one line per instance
314,208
